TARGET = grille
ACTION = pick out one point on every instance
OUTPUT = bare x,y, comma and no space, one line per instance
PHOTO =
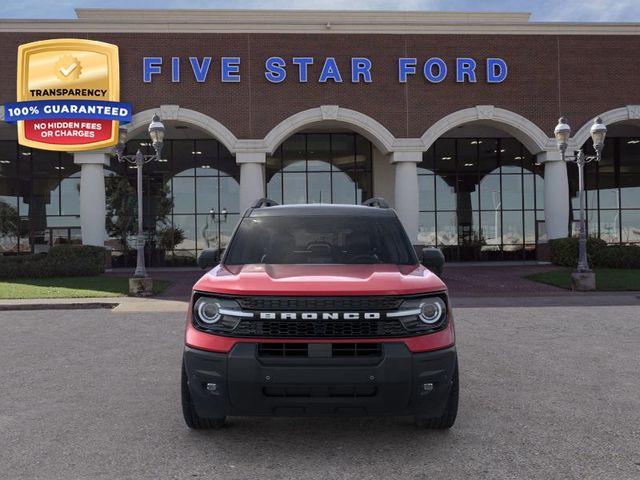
319,303
283,350
302,350
322,328
321,391
356,350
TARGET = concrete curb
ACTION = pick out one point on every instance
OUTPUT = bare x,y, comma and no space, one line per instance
57,306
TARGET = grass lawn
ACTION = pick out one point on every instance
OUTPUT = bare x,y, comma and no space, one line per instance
71,287
606,278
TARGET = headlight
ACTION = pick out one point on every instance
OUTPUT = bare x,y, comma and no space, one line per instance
432,310
208,310
423,314
217,314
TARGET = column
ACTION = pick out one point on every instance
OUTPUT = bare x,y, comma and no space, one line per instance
92,195
406,190
251,177
556,194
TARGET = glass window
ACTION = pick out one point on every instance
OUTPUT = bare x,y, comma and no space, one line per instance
488,156
426,187
188,225
207,194
364,186
528,192
182,160
344,190
609,226
607,187
467,154
530,227
320,239
45,163
8,159
490,195
320,167
320,187
318,152
70,196
427,229
343,152
227,163
363,153
447,228
426,166
230,194
468,227
445,194
512,228
274,187
294,153
511,155
630,190
512,192
294,187
467,192
629,155
630,222
491,224
183,195
206,157
445,156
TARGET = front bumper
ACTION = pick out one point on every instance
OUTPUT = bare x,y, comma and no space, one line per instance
397,382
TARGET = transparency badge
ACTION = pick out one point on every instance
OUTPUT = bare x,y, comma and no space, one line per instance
68,95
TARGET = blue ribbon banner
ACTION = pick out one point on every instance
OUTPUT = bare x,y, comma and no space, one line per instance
67,109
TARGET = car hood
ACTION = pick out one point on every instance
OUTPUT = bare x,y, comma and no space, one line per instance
325,280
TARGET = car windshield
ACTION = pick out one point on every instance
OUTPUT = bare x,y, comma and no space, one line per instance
320,239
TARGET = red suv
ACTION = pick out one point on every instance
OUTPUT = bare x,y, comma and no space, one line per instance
319,310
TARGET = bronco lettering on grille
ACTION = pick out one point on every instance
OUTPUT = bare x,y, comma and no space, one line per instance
319,316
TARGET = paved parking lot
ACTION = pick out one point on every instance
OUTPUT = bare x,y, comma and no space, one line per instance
549,392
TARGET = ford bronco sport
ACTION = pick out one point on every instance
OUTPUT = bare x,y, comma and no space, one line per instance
319,310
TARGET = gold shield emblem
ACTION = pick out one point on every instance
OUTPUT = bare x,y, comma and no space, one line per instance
68,69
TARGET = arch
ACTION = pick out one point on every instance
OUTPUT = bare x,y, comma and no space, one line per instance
382,138
141,120
527,132
622,114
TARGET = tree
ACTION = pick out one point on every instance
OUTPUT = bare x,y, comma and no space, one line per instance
9,221
122,208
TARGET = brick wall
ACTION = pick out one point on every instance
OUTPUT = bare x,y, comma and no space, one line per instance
578,76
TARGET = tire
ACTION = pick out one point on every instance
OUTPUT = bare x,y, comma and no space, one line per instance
448,418
191,417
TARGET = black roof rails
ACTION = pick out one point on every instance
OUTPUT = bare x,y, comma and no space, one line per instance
377,202
264,202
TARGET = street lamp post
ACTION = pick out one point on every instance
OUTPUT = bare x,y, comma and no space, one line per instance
156,133
562,133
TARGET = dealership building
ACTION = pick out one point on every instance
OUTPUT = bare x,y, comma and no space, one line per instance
448,116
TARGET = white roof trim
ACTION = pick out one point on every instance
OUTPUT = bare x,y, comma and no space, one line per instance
311,21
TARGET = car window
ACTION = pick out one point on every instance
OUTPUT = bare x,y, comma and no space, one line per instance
317,239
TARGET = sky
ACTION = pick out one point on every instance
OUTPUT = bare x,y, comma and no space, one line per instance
542,10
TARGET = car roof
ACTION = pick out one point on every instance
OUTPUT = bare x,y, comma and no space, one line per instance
320,209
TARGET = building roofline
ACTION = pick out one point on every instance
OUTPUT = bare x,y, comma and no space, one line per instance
284,15
310,21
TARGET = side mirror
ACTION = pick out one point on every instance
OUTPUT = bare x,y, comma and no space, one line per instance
433,259
209,258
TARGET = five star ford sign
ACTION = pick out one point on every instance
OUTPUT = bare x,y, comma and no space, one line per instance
68,95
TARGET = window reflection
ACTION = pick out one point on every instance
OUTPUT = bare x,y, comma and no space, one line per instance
480,198
320,168
612,191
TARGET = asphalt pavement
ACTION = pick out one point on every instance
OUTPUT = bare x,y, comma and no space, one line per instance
548,392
